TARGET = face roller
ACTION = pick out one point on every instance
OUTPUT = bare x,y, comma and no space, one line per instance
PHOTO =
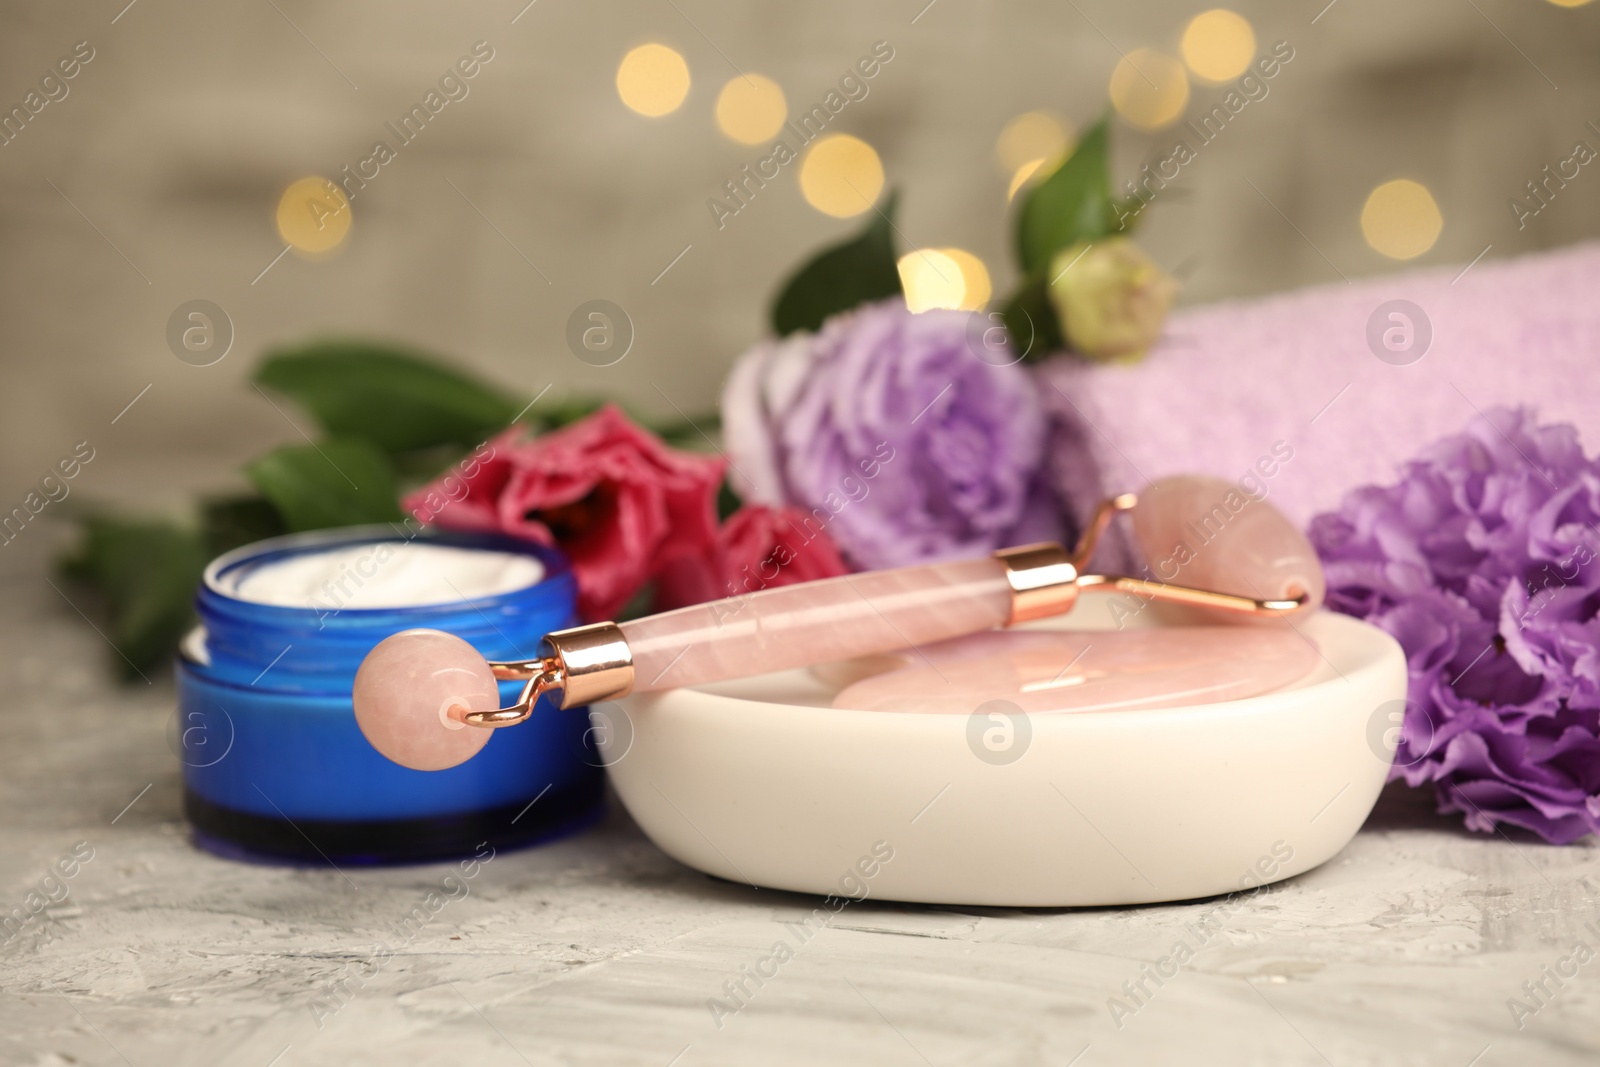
425,699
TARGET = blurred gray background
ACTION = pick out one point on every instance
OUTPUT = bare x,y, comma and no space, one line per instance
168,156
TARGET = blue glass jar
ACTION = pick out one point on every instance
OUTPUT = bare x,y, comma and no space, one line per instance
274,765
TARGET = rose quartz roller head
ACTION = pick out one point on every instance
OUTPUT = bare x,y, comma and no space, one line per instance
412,693
1211,534
422,697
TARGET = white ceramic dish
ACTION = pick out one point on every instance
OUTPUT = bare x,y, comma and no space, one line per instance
761,781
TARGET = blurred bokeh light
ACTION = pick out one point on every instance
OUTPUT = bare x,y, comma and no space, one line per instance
751,109
1218,45
1031,137
1026,175
931,280
1400,219
1031,145
841,176
974,277
1150,89
653,79
313,216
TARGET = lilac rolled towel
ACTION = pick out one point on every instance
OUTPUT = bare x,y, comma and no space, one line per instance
1321,390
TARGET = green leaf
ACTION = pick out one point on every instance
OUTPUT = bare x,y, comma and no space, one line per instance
842,277
226,523
728,501
145,572
397,398
1031,323
426,464
1072,204
565,412
677,431
640,604
341,482
693,433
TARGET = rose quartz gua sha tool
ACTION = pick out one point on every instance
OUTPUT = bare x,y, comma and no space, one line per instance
424,698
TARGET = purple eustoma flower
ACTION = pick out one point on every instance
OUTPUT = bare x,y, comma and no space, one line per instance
890,428
1484,563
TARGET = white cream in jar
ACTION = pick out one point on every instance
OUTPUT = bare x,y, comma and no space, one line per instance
386,574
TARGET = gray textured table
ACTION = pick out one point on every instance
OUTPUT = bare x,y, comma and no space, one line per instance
598,949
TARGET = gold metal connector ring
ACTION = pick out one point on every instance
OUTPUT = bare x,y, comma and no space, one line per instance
587,664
